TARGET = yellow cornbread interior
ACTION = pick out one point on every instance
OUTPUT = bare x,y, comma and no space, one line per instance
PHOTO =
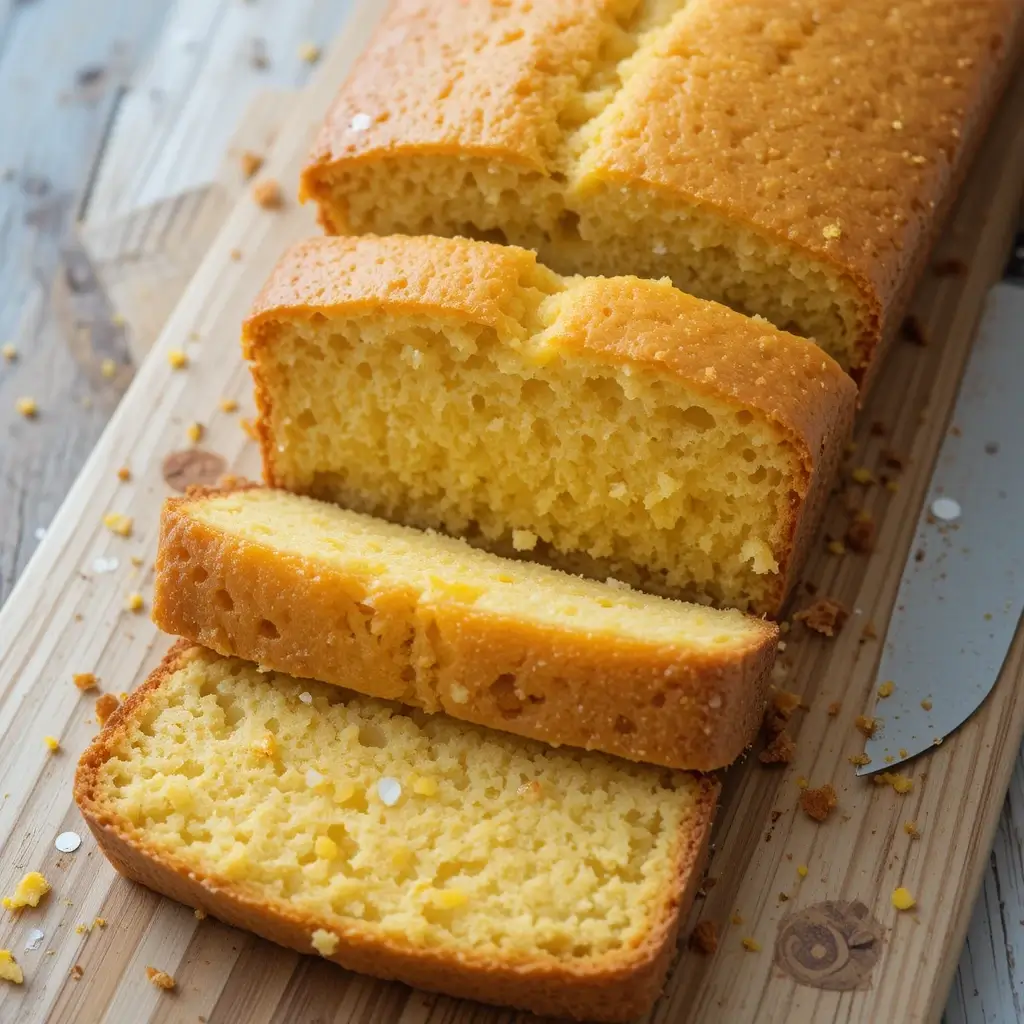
616,470
583,214
492,844
383,557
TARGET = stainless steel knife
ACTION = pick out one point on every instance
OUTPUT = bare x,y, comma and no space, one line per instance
962,590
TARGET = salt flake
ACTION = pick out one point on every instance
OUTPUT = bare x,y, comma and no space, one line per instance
946,509
35,940
306,697
68,842
389,790
359,123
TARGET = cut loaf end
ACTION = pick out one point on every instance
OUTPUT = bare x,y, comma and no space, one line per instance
305,587
613,427
324,822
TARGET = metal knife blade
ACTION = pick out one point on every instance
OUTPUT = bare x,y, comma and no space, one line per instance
962,590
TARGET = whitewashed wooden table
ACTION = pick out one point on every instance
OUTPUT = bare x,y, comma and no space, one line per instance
111,107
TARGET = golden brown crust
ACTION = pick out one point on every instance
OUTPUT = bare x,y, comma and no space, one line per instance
663,705
837,130
799,390
613,988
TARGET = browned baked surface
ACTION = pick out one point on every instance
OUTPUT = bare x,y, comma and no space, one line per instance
614,988
624,326
834,131
683,703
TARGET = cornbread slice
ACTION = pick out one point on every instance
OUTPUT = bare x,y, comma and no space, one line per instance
401,845
612,427
304,587
791,158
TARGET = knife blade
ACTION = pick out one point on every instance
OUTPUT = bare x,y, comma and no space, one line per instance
962,590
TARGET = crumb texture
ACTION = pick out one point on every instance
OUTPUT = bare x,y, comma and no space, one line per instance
392,825
614,427
749,151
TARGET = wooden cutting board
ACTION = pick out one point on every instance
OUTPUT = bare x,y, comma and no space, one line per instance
67,615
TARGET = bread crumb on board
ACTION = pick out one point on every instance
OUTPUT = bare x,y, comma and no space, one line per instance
834,708
120,524
134,602
28,892
9,352
85,681
704,938
910,827
801,870
781,750
124,474
106,705
865,725
886,689
860,534
903,784
250,163
9,969
177,359
751,945
267,194
825,615
902,900
160,978
27,406
52,744
818,803
76,972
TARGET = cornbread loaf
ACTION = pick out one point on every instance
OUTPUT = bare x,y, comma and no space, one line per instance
399,844
304,587
791,158
612,427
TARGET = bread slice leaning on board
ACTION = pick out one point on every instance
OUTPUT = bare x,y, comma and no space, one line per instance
608,426
304,587
399,844
791,159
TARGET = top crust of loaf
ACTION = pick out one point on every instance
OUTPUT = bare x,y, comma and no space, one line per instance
624,321
837,129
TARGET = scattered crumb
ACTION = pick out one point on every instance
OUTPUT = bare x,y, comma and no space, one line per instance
835,547
195,431
751,945
27,407
781,750
9,969
325,942
862,475
892,460
9,352
118,320
910,827
99,922
250,428
137,560
783,897
309,52
902,900
801,870
736,919
818,803
200,914
801,782
236,254
108,368
903,784
160,978
134,602
704,938
28,892
826,616
76,972
85,681
785,702
869,632
866,725
106,705
124,474
120,524
834,708
250,163
267,193
81,929
892,486
859,759
885,690
52,744
860,534
228,405
926,704
177,359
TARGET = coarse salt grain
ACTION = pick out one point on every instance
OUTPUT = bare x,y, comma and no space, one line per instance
35,940
389,790
306,697
359,123
946,509
102,565
68,842
313,778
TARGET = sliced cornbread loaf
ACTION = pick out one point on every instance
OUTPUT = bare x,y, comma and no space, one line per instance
614,427
402,845
790,159
304,587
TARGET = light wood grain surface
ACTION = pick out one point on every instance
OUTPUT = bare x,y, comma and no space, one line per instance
227,976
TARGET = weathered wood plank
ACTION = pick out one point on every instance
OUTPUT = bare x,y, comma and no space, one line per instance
61,71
